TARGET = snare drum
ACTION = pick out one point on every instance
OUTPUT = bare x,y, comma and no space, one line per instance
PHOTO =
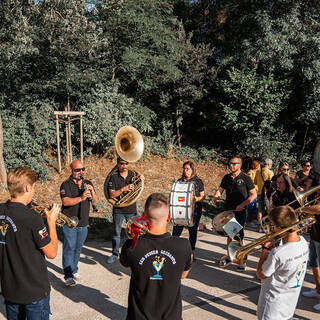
182,203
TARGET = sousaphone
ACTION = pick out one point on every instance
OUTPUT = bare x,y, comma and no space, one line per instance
316,159
129,145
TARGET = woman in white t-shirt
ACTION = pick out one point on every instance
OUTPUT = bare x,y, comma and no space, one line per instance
281,269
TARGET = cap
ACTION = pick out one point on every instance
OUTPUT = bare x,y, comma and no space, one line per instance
268,161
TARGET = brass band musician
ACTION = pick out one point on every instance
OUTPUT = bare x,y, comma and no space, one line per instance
120,183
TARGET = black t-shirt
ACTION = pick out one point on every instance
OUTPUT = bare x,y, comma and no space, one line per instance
23,269
279,199
70,189
157,263
301,175
117,182
199,187
237,189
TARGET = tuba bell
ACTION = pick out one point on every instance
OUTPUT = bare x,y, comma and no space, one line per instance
129,145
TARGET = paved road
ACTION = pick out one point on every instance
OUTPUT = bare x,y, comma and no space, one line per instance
209,292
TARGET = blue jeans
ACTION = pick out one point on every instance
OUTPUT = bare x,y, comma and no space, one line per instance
37,310
73,240
117,223
241,217
193,231
314,255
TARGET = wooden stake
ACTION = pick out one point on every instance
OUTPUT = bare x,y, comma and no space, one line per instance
81,140
58,143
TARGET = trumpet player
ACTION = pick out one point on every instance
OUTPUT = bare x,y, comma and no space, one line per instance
24,242
75,202
281,269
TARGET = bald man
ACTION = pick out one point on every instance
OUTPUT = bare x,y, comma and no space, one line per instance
76,194
158,263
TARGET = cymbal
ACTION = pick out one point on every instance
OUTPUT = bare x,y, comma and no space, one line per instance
221,219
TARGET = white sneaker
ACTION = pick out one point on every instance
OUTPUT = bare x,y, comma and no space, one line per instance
317,307
76,276
70,282
311,294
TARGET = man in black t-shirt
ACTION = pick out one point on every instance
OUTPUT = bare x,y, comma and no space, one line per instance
119,184
158,263
76,194
24,241
240,191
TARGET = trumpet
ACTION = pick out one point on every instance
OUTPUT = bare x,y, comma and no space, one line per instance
62,219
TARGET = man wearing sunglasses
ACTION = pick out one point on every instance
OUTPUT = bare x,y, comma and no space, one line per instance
119,184
75,203
240,191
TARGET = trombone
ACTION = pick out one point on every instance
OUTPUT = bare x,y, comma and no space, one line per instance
300,196
238,254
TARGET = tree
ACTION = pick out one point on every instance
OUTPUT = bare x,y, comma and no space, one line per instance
3,173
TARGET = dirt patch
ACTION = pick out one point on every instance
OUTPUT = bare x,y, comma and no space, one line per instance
159,175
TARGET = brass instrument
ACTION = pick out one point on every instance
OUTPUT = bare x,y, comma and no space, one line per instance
316,158
129,145
300,196
62,219
238,254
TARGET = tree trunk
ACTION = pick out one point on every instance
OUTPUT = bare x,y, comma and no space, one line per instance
3,173
304,142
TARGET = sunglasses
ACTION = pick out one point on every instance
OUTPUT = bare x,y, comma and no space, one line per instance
124,163
233,163
79,169
307,165
285,169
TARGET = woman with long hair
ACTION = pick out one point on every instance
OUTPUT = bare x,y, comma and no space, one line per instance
283,194
189,174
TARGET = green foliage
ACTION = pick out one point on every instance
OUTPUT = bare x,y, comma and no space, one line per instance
28,135
249,110
107,111
193,77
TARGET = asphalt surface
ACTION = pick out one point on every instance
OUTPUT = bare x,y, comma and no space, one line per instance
209,292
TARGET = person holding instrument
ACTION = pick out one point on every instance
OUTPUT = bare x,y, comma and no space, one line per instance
189,175
119,184
158,263
75,202
282,269
305,176
24,242
240,191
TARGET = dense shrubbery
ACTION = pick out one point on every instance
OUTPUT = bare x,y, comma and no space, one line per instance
199,79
